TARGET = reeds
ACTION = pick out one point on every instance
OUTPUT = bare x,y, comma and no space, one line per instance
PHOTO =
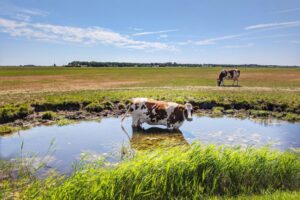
194,172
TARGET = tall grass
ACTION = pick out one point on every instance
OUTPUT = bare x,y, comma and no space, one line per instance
179,173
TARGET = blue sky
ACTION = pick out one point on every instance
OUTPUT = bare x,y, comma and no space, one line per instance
185,31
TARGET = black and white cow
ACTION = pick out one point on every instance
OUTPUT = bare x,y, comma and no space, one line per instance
152,112
233,74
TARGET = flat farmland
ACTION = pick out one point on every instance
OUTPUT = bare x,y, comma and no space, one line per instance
34,79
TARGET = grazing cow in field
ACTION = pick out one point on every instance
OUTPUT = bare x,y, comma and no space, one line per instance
155,112
233,74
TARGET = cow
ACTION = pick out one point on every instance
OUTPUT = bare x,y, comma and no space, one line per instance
232,74
152,112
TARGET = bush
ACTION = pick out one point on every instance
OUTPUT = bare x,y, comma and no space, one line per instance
291,117
94,107
49,115
57,105
229,111
7,129
259,113
12,112
121,106
217,111
108,105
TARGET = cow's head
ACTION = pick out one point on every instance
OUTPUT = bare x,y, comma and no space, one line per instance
188,111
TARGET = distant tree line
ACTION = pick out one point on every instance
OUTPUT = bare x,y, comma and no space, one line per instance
166,64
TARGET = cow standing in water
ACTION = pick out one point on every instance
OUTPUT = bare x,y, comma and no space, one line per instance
233,74
154,112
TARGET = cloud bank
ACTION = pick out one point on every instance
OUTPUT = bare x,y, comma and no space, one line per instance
89,35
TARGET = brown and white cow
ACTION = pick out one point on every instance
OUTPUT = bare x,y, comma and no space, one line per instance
232,74
152,112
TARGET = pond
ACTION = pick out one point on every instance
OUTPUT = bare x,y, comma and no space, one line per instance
106,138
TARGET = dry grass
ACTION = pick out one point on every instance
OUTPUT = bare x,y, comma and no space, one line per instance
17,79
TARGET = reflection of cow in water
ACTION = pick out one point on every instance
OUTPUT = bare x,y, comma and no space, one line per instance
233,74
153,137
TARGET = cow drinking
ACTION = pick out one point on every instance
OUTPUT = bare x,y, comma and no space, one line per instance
152,112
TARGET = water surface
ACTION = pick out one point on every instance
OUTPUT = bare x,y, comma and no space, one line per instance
106,138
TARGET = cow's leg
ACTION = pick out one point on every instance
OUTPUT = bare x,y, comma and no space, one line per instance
170,126
135,120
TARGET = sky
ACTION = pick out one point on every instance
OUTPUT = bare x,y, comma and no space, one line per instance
183,31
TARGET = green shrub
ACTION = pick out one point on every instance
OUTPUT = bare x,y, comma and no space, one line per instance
121,106
180,100
49,115
108,105
64,122
12,112
291,117
259,113
218,111
94,107
229,111
4,129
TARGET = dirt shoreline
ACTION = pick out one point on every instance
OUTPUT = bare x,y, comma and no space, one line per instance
69,117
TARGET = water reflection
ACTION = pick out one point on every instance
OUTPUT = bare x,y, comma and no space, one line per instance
156,137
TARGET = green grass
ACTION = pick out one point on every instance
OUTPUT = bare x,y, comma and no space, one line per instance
284,104
272,98
279,195
195,172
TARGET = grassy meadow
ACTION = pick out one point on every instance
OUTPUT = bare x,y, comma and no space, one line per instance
25,90
200,171
62,78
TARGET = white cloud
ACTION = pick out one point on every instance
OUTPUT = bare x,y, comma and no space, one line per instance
89,35
137,29
274,25
23,14
237,46
210,41
153,32
270,36
163,36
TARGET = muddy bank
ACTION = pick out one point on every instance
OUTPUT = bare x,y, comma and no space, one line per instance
14,117
66,113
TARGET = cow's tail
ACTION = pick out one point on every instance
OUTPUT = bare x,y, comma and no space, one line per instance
126,113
